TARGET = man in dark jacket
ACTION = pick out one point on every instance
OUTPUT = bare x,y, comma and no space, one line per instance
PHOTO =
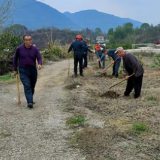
77,46
116,61
27,54
85,53
133,67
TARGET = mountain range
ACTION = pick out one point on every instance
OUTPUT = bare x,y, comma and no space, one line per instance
35,15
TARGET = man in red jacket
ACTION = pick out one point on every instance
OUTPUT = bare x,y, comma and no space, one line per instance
97,48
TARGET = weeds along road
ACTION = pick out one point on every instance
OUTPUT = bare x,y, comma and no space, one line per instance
41,133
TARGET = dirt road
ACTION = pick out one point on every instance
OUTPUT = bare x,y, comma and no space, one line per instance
41,133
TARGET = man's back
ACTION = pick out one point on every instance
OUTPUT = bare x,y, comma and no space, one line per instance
111,53
77,46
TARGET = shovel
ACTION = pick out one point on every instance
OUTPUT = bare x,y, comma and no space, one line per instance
19,101
120,82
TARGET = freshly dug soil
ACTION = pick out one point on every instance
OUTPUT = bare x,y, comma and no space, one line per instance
110,94
73,86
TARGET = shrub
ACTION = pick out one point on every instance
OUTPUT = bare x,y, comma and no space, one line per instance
55,51
116,45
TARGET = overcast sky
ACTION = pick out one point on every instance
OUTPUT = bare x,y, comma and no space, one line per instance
141,10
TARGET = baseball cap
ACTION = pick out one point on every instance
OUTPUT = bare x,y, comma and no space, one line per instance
119,49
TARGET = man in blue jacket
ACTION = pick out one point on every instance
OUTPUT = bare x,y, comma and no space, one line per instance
85,53
77,46
116,61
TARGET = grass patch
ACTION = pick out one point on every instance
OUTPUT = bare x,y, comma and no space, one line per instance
7,92
151,98
78,120
153,65
5,135
139,128
6,77
75,138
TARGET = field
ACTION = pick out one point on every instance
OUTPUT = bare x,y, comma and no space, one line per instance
81,118
116,127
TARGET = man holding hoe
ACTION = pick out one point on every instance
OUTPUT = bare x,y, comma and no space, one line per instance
27,55
116,61
135,72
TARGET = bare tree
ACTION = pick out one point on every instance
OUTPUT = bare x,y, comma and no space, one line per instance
5,10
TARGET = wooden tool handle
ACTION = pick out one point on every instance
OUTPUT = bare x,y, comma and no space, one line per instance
19,101
120,81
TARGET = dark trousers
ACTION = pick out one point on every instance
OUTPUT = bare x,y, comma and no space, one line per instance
76,61
136,83
29,79
85,61
116,68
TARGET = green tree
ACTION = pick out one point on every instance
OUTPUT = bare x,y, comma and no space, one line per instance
9,42
98,31
119,33
145,26
111,31
128,28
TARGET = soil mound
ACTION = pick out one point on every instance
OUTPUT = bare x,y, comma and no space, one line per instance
110,94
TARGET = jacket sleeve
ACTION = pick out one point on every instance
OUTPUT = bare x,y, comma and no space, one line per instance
70,48
84,46
89,50
15,60
39,58
102,56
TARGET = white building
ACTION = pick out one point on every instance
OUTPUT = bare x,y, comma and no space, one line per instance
100,39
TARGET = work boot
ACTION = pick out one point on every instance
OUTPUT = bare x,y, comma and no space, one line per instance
30,105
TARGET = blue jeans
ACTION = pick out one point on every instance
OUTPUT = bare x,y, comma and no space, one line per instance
98,53
103,60
116,67
29,79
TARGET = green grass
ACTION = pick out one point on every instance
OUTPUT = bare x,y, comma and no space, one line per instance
139,128
75,138
7,92
152,98
5,135
153,65
78,120
127,147
6,77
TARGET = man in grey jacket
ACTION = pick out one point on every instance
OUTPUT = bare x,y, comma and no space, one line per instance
132,66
